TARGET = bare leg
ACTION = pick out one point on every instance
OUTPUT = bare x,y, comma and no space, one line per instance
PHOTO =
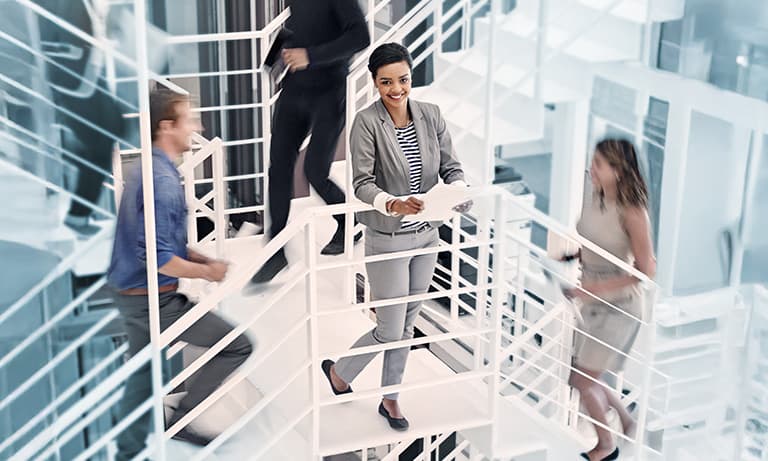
338,383
596,402
627,421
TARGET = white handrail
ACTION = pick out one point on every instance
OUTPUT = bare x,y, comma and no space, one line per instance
63,397
42,329
63,266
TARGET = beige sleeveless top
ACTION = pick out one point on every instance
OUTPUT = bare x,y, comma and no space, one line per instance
604,227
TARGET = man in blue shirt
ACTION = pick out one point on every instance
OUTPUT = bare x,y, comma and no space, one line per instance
172,125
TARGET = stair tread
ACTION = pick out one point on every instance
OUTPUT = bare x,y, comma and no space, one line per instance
521,432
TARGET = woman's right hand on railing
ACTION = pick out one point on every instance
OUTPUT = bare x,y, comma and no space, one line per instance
409,206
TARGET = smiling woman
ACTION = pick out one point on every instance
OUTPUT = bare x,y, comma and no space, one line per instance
400,147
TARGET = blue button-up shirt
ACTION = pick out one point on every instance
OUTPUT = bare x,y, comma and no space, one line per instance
128,268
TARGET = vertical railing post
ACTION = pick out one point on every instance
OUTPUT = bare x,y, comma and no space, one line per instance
349,278
312,303
455,264
487,173
266,134
371,20
541,46
149,225
188,174
647,371
117,173
220,197
438,19
499,290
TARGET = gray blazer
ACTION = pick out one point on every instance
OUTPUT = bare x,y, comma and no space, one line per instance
378,164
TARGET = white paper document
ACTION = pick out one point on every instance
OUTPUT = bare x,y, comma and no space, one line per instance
439,202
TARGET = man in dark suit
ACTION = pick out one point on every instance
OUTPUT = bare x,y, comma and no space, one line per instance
325,35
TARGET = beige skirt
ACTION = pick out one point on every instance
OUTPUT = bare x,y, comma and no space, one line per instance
610,326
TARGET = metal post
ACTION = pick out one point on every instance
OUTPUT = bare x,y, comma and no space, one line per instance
745,221
645,387
312,302
541,46
149,225
455,265
266,117
220,197
499,290
487,175
438,18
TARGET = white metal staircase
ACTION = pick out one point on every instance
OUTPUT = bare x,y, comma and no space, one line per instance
512,402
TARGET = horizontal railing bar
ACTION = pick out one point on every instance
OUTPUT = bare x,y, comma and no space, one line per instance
55,187
287,428
241,328
400,254
64,396
64,110
29,382
116,430
400,388
427,339
103,389
250,414
242,373
81,424
231,178
107,47
42,329
50,61
337,309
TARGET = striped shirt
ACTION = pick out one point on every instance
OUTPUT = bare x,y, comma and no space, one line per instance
409,145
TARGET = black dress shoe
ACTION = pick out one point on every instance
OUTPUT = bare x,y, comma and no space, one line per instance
398,424
327,364
614,455
336,245
271,268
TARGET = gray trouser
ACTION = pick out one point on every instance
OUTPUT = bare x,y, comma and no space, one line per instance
392,278
206,332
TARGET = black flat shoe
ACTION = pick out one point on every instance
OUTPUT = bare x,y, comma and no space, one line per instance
614,455
326,365
398,424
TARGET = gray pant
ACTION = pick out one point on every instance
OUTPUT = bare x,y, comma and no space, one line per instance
206,332
392,279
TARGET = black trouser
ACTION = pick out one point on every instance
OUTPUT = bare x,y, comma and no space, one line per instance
298,111
206,332
90,144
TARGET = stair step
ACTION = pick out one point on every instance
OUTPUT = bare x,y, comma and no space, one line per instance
522,432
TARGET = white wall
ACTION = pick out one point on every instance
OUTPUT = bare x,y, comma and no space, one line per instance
713,190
